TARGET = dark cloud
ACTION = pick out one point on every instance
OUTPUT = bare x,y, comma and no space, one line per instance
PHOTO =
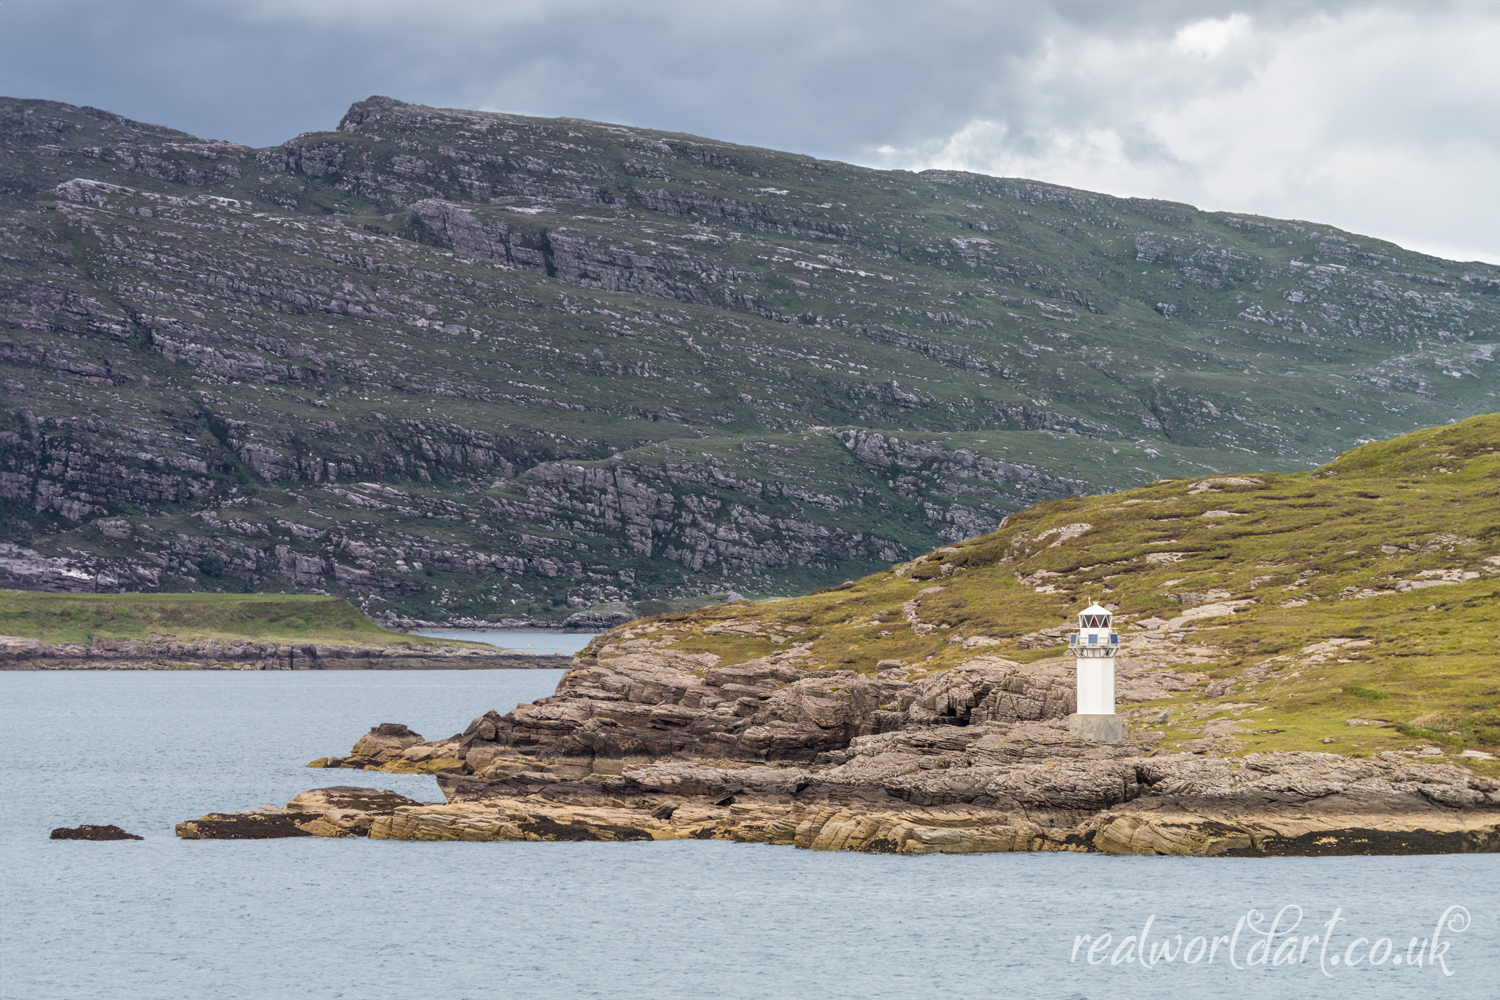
1084,91
835,74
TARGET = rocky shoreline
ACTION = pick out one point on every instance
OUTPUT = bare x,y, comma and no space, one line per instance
644,742
17,653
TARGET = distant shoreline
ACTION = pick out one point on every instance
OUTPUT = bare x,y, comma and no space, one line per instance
19,653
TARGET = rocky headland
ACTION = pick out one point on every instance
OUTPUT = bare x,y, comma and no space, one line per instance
20,653
642,741
1305,667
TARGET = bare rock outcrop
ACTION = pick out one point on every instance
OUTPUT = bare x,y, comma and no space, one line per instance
341,811
988,689
641,700
926,789
386,741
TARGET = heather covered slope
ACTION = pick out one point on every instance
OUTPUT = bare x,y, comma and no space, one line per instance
460,363
1289,604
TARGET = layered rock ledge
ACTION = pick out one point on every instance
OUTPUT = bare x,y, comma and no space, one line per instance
341,811
17,653
648,743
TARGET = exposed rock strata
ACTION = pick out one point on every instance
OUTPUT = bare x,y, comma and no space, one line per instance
17,653
994,787
987,787
641,700
341,811
644,742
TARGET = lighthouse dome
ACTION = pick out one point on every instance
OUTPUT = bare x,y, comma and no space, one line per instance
1095,616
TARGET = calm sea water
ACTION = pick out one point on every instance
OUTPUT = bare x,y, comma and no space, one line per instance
564,643
358,919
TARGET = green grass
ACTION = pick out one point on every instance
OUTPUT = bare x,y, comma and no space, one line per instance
81,618
1328,555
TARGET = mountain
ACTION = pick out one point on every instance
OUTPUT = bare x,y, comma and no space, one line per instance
453,363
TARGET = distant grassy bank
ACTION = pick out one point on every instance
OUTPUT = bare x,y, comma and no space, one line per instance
81,618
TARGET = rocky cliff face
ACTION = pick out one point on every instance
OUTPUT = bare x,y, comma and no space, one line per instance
458,363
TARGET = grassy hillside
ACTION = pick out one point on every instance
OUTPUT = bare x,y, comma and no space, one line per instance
468,363
1368,589
80,618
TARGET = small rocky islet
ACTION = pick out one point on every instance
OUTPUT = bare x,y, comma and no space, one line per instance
91,831
644,742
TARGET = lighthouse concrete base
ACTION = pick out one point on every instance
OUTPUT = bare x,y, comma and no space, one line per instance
1099,728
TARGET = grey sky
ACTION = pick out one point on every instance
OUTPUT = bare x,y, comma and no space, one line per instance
1380,117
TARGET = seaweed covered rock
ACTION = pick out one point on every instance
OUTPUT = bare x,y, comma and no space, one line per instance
88,831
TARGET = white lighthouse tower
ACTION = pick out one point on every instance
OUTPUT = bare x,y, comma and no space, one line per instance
1094,645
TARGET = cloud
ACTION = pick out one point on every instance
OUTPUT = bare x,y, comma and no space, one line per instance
1379,120
825,75
1210,37
1376,116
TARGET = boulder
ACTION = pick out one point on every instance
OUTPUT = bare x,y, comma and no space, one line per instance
384,743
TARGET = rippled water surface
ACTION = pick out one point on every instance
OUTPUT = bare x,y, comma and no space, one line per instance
358,919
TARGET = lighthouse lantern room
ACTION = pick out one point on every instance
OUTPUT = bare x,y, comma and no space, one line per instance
1094,646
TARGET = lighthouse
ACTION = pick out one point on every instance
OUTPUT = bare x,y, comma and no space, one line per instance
1094,646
